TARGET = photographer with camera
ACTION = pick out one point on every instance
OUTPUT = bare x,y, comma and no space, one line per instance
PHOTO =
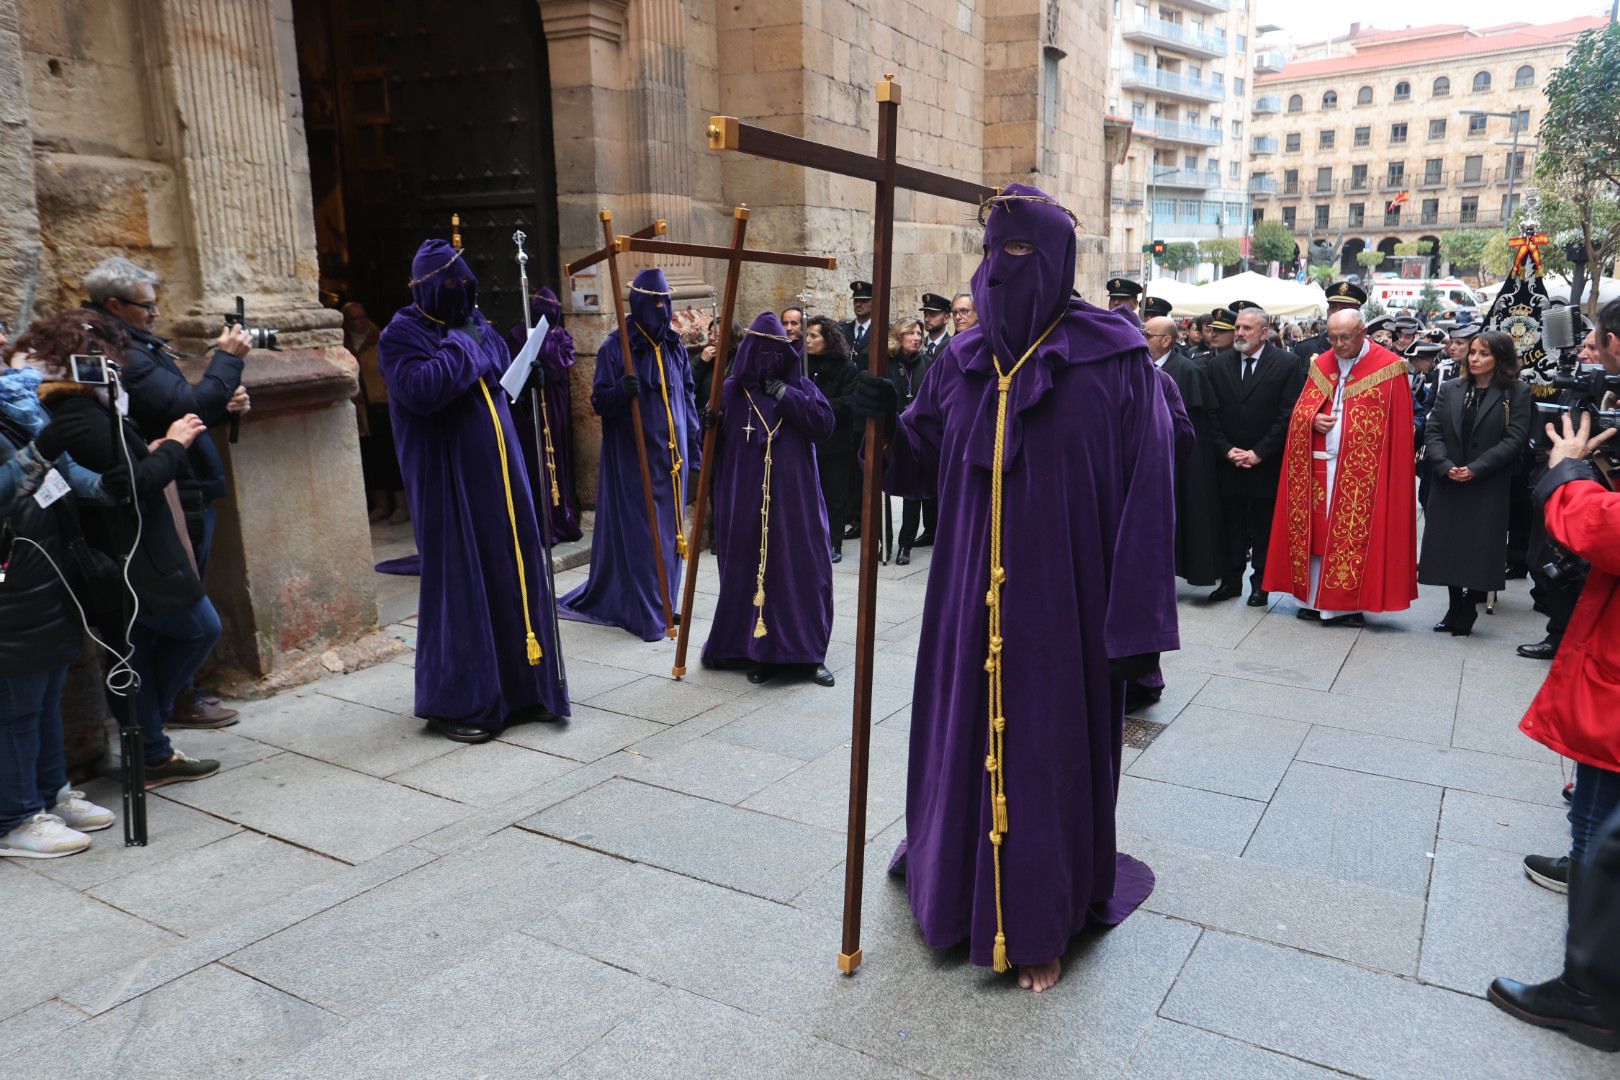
41,817
160,394
175,627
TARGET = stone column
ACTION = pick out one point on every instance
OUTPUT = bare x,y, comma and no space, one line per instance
19,210
291,565
661,124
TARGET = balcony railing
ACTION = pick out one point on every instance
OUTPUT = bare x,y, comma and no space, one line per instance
1395,183
1518,176
1176,131
1319,187
1205,5
1263,144
1267,104
1176,35
1414,222
1479,179
1189,178
1358,185
1173,83
1262,185
1290,187
1269,63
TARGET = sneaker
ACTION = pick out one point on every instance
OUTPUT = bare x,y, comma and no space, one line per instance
78,812
42,836
195,714
1548,872
178,769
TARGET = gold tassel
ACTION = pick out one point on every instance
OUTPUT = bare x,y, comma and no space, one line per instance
534,650
759,597
759,627
1001,813
998,962
556,496
680,544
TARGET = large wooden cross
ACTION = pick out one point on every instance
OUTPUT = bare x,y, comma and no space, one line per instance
888,175
735,256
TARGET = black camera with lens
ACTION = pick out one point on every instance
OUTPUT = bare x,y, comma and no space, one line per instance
260,337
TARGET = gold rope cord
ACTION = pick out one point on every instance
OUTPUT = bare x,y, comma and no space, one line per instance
676,465
551,452
764,516
531,644
995,762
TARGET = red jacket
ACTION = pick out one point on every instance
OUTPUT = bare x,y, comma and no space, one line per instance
1577,711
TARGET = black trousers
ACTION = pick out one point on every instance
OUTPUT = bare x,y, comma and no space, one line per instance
838,488
1521,518
1247,521
913,510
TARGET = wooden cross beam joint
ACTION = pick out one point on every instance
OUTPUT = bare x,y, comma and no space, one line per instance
657,228
707,251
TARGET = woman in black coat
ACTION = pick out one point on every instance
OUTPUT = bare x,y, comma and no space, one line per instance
908,363
834,373
1475,434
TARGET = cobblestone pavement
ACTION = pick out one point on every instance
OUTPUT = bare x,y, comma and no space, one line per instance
1336,819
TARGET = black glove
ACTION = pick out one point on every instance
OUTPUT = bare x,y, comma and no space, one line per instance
1131,668
472,330
537,377
630,386
710,418
776,388
62,434
116,483
874,398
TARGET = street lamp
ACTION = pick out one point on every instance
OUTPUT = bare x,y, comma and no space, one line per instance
1154,172
1513,159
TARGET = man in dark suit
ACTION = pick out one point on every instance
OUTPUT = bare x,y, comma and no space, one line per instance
1125,293
1255,384
936,319
857,331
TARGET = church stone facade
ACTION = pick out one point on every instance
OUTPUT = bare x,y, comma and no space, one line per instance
289,152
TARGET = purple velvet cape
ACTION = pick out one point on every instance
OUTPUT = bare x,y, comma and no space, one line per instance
1088,549
471,660
798,571
622,589
556,360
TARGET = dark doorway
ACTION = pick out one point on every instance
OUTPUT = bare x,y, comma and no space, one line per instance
1347,256
413,116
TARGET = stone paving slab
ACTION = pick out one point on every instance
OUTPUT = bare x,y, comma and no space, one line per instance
1422,763
1423,723
210,1024
485,775
1504,824
588,735
1487,919
1362,1022
1493,699
1391,675
41,1025
1352,827
1172,1051
374,686
751,852
1233,753
1186,815
1277,903
811,793
708,768
313,804
536,1006
172,828
660,699
349,734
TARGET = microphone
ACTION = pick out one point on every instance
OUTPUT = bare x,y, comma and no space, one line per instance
1558,329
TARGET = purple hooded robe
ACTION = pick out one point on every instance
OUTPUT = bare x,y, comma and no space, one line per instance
622,589
798,574
556,360
1088,552
472,638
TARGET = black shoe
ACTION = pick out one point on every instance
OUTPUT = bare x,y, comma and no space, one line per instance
1516,573
1558,1005
760,673
852,532
1545,649
1140,697
1259,598
459,732
1308,614
1354,620
902,557
1227,590
1550,872
822,676
1443,626
925,540
837,556
1569,792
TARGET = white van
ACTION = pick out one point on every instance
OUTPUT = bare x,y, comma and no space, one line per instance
1405,294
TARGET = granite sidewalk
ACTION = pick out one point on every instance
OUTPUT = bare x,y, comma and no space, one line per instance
653,889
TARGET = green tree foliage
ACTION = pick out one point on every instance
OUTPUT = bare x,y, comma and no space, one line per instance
1271,242
1222,252
1322,275
1180,255
1415,247
1429,299
1370,259
1463,247
1496,256
1579,161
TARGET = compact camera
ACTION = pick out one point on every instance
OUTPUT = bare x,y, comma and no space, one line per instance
260,337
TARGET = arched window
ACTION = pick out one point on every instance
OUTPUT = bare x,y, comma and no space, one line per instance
1442,87
1296,103
1525,76
1364,96
1482,82
1330,100
1403,91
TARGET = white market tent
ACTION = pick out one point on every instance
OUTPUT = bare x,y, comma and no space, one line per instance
1558,289
1278,296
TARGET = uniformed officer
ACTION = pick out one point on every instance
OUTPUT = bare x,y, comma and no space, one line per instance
936,317
1155,307
858,331
1124,293
1341,296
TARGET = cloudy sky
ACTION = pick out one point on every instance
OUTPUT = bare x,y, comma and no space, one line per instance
1316,21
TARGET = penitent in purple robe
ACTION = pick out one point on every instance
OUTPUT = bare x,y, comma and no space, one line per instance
622,589
1088,552
472,661
798,574
556,360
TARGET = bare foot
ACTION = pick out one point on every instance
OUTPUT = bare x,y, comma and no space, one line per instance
1039,977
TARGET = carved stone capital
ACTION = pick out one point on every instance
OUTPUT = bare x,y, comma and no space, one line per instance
605,20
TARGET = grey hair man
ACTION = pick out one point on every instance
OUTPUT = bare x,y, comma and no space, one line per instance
963,313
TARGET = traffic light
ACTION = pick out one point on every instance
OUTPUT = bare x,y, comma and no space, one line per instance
1158,247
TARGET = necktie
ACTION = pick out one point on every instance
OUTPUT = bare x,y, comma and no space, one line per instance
1248,367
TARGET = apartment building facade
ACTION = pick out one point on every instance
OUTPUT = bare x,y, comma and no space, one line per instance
1404,135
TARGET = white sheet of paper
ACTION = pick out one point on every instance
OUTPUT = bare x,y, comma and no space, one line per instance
518,374
53,487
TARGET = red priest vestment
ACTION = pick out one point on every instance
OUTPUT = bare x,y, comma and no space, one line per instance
1366,536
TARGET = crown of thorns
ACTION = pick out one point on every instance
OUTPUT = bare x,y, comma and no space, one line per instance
783,338
989,205
448,263
652,292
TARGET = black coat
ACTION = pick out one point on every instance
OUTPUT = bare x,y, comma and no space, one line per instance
858,350
1310,348
160,569
1254,416
1198,497
1465,525
907,375
39,626
836,380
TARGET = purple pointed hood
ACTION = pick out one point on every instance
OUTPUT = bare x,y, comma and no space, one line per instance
442,284
1018,296
761,355
545,303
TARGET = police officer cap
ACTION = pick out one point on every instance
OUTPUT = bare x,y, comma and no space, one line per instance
1345,292
860,290
933,302
1420,349
1223,319
1155,307
1123,287
1242,305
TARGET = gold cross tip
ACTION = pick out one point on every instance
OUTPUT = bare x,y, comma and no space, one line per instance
888,91
722,132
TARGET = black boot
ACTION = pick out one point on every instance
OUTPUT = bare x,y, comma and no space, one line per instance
1559,1005
1467,613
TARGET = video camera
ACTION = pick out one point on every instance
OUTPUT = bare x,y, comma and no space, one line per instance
260,337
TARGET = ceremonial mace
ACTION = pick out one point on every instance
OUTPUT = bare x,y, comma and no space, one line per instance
546,454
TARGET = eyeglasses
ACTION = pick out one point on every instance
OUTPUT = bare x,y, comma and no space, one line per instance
962,311
150,305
